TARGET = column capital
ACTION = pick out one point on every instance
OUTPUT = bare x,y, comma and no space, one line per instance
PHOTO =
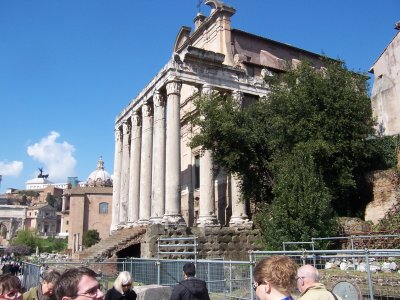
146,109
174,87
135,118
118,134
158,99
126,128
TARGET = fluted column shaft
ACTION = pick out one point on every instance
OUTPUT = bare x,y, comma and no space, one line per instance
158,189
173,154
124,203
207,215
146,161
134,168
117,176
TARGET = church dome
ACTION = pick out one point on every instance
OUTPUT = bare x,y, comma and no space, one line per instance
99,177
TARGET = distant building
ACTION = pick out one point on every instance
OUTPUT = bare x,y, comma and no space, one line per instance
12,219
87,207
43,194
42,218
40,183
385,98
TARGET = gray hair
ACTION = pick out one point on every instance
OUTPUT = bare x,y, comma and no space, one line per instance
309,271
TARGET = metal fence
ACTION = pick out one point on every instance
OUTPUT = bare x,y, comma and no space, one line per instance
354,242
352,274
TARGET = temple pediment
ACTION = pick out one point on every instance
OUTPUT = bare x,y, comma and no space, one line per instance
182,37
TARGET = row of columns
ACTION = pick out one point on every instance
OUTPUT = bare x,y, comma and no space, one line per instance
147,168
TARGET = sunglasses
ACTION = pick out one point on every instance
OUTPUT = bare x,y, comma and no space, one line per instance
256,285
127,285
11,295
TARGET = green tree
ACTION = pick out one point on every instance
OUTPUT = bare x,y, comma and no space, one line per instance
238,139
54,245
27,238
24,200
30,239
326,110
90,238
330,111
324,114
301,207
54,201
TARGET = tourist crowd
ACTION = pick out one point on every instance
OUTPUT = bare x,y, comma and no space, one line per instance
275,278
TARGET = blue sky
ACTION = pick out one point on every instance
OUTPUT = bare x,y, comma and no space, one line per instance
68,67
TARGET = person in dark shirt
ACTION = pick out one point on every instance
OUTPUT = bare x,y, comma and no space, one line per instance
122,289
191,288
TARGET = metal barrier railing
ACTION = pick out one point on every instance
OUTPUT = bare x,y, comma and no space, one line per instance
352,239
366,269
363,269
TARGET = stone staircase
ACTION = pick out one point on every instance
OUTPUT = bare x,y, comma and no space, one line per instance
107,247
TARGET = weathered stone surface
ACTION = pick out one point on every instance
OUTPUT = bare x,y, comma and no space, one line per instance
226,243
158,292
385,188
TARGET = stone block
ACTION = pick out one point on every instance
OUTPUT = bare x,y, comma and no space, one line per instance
147,292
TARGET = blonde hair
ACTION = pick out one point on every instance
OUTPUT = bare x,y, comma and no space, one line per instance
122,279
279,271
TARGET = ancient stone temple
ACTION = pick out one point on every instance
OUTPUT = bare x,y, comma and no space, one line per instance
158,178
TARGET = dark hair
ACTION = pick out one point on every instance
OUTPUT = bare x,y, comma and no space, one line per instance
51,277
67,284
189,269
9,283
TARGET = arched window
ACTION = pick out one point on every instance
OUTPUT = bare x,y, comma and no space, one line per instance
103,208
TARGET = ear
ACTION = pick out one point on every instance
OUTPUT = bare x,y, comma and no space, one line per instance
66,298
267,288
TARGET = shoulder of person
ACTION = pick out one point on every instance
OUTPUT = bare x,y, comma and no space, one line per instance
30,294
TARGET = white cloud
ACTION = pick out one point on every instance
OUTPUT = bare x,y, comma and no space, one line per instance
13,168
57,158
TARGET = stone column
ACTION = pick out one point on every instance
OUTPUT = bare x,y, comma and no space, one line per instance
158,189
145,165
117,181
239,218
64,204
238,99
207,215
124,196
173,155
134,168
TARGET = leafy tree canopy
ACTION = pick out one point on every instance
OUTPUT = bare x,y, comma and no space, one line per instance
90,238
29,240
301,207
54,201
317,121
325,111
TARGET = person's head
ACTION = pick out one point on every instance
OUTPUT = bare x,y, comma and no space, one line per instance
49,280
123,283
189,269
78,284
307,276
274,277
10,287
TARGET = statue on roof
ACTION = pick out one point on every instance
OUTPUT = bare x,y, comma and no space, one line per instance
41,175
